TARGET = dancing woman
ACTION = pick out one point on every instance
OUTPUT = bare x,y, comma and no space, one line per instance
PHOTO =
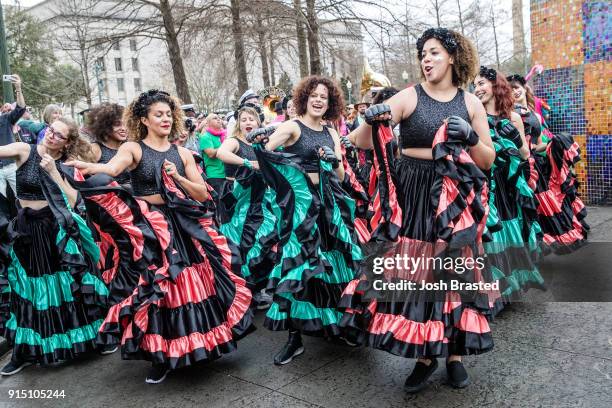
561,212
52,301
441,194
514,248
109,132
246,207
190,306
318,250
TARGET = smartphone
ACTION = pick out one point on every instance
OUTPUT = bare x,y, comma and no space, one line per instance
8,78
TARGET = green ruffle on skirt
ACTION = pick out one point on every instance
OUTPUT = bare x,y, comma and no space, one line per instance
318,251
513,249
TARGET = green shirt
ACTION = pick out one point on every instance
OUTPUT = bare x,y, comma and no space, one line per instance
214,167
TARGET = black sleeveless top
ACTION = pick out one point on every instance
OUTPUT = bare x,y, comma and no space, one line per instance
245,151
307,146
28,177
533,129
106,154
419,129
143,176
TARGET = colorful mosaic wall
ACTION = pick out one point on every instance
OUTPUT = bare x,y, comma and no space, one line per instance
573,40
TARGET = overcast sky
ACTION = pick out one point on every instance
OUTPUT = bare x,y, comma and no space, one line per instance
420,8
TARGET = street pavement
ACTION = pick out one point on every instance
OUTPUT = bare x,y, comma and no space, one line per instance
547,354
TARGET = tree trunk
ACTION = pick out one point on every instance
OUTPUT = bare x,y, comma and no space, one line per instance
272,57
301,38
85,74
460,17
518,32
174,52
263,56
495,38
313,38
243,81
437,8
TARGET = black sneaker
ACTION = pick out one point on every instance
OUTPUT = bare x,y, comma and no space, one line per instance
157,374
457,375
417,380
293,348
107,349
14,367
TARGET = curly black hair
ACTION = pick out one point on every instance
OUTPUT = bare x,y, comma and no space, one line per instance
459,47
304,88
444,35
139,108
102,118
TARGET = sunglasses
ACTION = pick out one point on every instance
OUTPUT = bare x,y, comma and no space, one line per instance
56,135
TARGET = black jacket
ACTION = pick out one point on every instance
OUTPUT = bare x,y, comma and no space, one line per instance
7,121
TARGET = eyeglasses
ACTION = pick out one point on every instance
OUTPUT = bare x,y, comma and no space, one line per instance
56,135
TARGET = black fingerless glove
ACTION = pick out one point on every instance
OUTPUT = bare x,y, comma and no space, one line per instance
508,131
346,142
374,112
329,156
258,136
458,129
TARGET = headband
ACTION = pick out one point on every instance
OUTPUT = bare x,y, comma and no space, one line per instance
443,35
488,73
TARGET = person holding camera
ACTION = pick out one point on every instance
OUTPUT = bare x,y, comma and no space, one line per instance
188,138
8,118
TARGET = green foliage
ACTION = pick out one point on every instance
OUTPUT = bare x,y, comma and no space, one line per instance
30,55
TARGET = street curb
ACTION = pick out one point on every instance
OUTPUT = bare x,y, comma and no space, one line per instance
4,347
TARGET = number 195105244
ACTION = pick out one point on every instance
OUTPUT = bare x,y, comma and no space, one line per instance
36,394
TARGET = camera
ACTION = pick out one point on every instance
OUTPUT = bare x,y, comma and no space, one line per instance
190,125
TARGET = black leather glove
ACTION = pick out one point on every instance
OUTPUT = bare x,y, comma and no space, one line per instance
329,156
346,143
508,131
374,112
458,129
259,135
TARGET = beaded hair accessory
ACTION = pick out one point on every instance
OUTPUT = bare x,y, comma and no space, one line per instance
148,98
488,73
443,35
517,78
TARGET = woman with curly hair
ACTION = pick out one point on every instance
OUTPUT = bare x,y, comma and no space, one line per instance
109,133
434,206
513,250
190,304
318,252
52,299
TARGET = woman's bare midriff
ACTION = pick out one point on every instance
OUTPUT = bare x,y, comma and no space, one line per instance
33,204
314,177
418,153
154,199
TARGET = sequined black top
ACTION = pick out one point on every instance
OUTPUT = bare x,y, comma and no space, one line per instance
28,177
307,146
106,154
419,129
143,176
245,151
